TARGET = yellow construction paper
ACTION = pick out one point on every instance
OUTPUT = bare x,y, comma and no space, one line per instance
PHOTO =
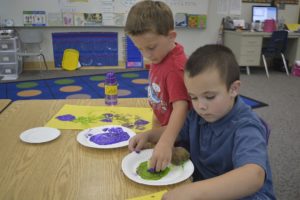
293,27
154,196
83,117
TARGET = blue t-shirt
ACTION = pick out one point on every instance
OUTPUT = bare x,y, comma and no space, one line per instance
237,139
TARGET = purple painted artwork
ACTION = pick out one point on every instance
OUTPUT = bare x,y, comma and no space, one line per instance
128,121
110,136
67,117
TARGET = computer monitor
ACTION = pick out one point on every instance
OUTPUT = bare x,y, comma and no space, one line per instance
261,13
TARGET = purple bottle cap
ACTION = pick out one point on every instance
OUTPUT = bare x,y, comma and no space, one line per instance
110,78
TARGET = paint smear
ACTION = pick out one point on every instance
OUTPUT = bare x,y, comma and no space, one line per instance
110,136
143,171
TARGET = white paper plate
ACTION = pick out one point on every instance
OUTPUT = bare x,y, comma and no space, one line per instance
176,174
84,136
39,135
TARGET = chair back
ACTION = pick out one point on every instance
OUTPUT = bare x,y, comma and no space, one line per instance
277,43
30,36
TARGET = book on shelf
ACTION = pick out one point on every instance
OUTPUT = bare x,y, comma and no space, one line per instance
68,19
54,19
79,19
92,19
181,20
197,21
34,18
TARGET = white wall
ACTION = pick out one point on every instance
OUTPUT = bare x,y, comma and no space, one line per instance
191,39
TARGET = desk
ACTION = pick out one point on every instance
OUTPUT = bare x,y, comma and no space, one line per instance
4,103
63,168
247,46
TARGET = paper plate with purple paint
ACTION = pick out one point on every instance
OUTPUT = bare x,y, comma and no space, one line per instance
105,137
131,162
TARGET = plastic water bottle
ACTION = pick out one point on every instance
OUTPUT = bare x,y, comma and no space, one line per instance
111,89
281,22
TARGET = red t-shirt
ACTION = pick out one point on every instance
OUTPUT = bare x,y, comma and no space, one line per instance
166,84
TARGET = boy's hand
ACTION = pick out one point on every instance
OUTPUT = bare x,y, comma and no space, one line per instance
137,142
161,157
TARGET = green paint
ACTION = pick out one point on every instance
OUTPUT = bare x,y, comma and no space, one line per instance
65,81
130,75
27,85
86,120
97,78
143,172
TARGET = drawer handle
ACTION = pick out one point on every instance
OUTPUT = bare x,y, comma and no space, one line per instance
4,46
5,59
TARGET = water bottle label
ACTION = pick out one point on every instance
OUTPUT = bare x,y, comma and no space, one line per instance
111,89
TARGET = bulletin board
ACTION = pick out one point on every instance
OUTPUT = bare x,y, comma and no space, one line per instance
95,48
113,12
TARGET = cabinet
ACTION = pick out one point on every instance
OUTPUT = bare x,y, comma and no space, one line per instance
246,48
10,63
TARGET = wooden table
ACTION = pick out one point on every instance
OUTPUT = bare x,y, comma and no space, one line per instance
60,169
4,103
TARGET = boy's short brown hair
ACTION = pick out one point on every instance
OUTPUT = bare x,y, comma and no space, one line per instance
149,16
214,56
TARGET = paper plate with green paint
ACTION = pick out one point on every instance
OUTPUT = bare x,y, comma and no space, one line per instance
131,162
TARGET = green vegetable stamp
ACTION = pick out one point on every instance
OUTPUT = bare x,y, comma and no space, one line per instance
142,171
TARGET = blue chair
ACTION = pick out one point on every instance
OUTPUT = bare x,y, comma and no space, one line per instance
276,46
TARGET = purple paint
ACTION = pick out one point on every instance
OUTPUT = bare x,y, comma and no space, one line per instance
67,117
108,117
141,122
110,136
106,120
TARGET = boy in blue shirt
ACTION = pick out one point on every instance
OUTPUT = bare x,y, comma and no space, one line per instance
227,141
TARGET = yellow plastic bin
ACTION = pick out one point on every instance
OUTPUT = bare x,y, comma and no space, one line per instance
70,59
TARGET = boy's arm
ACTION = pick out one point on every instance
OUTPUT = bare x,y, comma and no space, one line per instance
235,184
140,141
163,150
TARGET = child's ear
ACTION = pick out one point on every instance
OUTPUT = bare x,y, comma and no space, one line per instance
235,88
172,35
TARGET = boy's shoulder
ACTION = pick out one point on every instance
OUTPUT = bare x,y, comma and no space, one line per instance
176,57
240,115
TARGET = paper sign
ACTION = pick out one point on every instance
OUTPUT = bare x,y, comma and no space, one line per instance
154,196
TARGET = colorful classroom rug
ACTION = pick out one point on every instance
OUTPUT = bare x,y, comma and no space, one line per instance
131,85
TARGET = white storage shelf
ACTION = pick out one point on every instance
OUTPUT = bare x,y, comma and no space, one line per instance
10,64
8,57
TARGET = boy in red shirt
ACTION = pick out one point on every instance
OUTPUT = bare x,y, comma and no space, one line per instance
150,25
